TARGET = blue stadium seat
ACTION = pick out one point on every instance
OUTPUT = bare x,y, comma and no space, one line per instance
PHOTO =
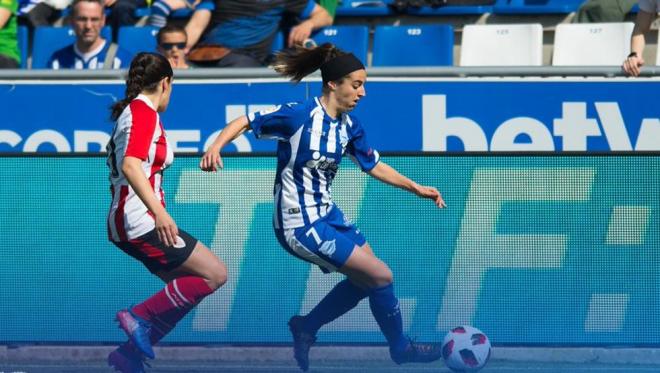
47,40
22,37
364,8
354,39
179,13
536,6
420,45
135,39
450,9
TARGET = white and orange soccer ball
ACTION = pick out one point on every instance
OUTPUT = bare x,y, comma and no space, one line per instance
466,349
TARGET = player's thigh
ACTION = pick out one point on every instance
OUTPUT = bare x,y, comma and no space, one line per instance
365,269
202,263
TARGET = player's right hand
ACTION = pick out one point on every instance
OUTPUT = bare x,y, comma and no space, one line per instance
632,65
211,160
166,229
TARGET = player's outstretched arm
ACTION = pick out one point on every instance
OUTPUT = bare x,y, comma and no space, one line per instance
388,175
211,160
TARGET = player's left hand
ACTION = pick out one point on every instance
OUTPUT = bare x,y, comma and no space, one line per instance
211,160
430,193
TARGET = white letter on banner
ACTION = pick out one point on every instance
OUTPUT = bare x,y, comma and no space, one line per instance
574,127
505,136
649,133
241,143
9,137
613,125
233,192
82,139
47,137
177,136
436,127
348,190
479,248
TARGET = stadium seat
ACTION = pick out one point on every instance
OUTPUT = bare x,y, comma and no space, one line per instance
452,9
354,39
421,45
178,13
47,40
502,45
364,8
135,39
591,44
22,36
536,6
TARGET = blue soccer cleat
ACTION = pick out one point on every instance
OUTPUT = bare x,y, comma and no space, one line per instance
416,352
138,330
126,359
302,342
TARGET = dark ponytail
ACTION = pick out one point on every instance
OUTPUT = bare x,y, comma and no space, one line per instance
298,62
146,71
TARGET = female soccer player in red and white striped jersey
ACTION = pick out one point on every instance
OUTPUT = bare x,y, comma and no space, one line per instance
138,153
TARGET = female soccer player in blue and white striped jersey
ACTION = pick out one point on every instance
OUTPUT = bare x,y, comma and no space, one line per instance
312,138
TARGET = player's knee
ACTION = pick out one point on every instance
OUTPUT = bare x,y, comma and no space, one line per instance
382,278
218,276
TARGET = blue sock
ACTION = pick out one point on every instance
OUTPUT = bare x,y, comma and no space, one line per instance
341,299
385,308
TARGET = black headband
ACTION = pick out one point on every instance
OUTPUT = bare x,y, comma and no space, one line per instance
339,67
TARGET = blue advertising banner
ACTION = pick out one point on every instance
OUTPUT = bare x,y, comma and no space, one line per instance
399,115
531,249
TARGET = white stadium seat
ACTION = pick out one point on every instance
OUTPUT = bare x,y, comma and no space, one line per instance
502,45
592,44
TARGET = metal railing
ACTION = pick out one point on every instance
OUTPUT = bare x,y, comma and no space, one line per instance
403,72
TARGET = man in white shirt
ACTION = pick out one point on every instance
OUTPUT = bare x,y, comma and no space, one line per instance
90,50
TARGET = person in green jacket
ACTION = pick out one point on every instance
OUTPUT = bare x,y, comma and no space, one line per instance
329,5
9,56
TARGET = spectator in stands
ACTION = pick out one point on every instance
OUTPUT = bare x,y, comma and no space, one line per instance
248,28
10,58
37,13
172,44
162,9
123,13
330,6
648,10
592,11
90,50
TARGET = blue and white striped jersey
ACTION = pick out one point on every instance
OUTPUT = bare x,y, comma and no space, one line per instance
70,57
310,149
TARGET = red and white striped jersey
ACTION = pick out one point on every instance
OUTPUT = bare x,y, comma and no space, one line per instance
137,133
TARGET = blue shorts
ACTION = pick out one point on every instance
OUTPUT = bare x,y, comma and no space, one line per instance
328,242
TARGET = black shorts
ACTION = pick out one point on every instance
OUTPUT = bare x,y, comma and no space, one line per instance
155,255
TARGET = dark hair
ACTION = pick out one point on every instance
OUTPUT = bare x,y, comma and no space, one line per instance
146,71
170,29
76,2
298,62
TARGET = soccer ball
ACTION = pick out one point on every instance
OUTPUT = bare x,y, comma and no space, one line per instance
465,349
